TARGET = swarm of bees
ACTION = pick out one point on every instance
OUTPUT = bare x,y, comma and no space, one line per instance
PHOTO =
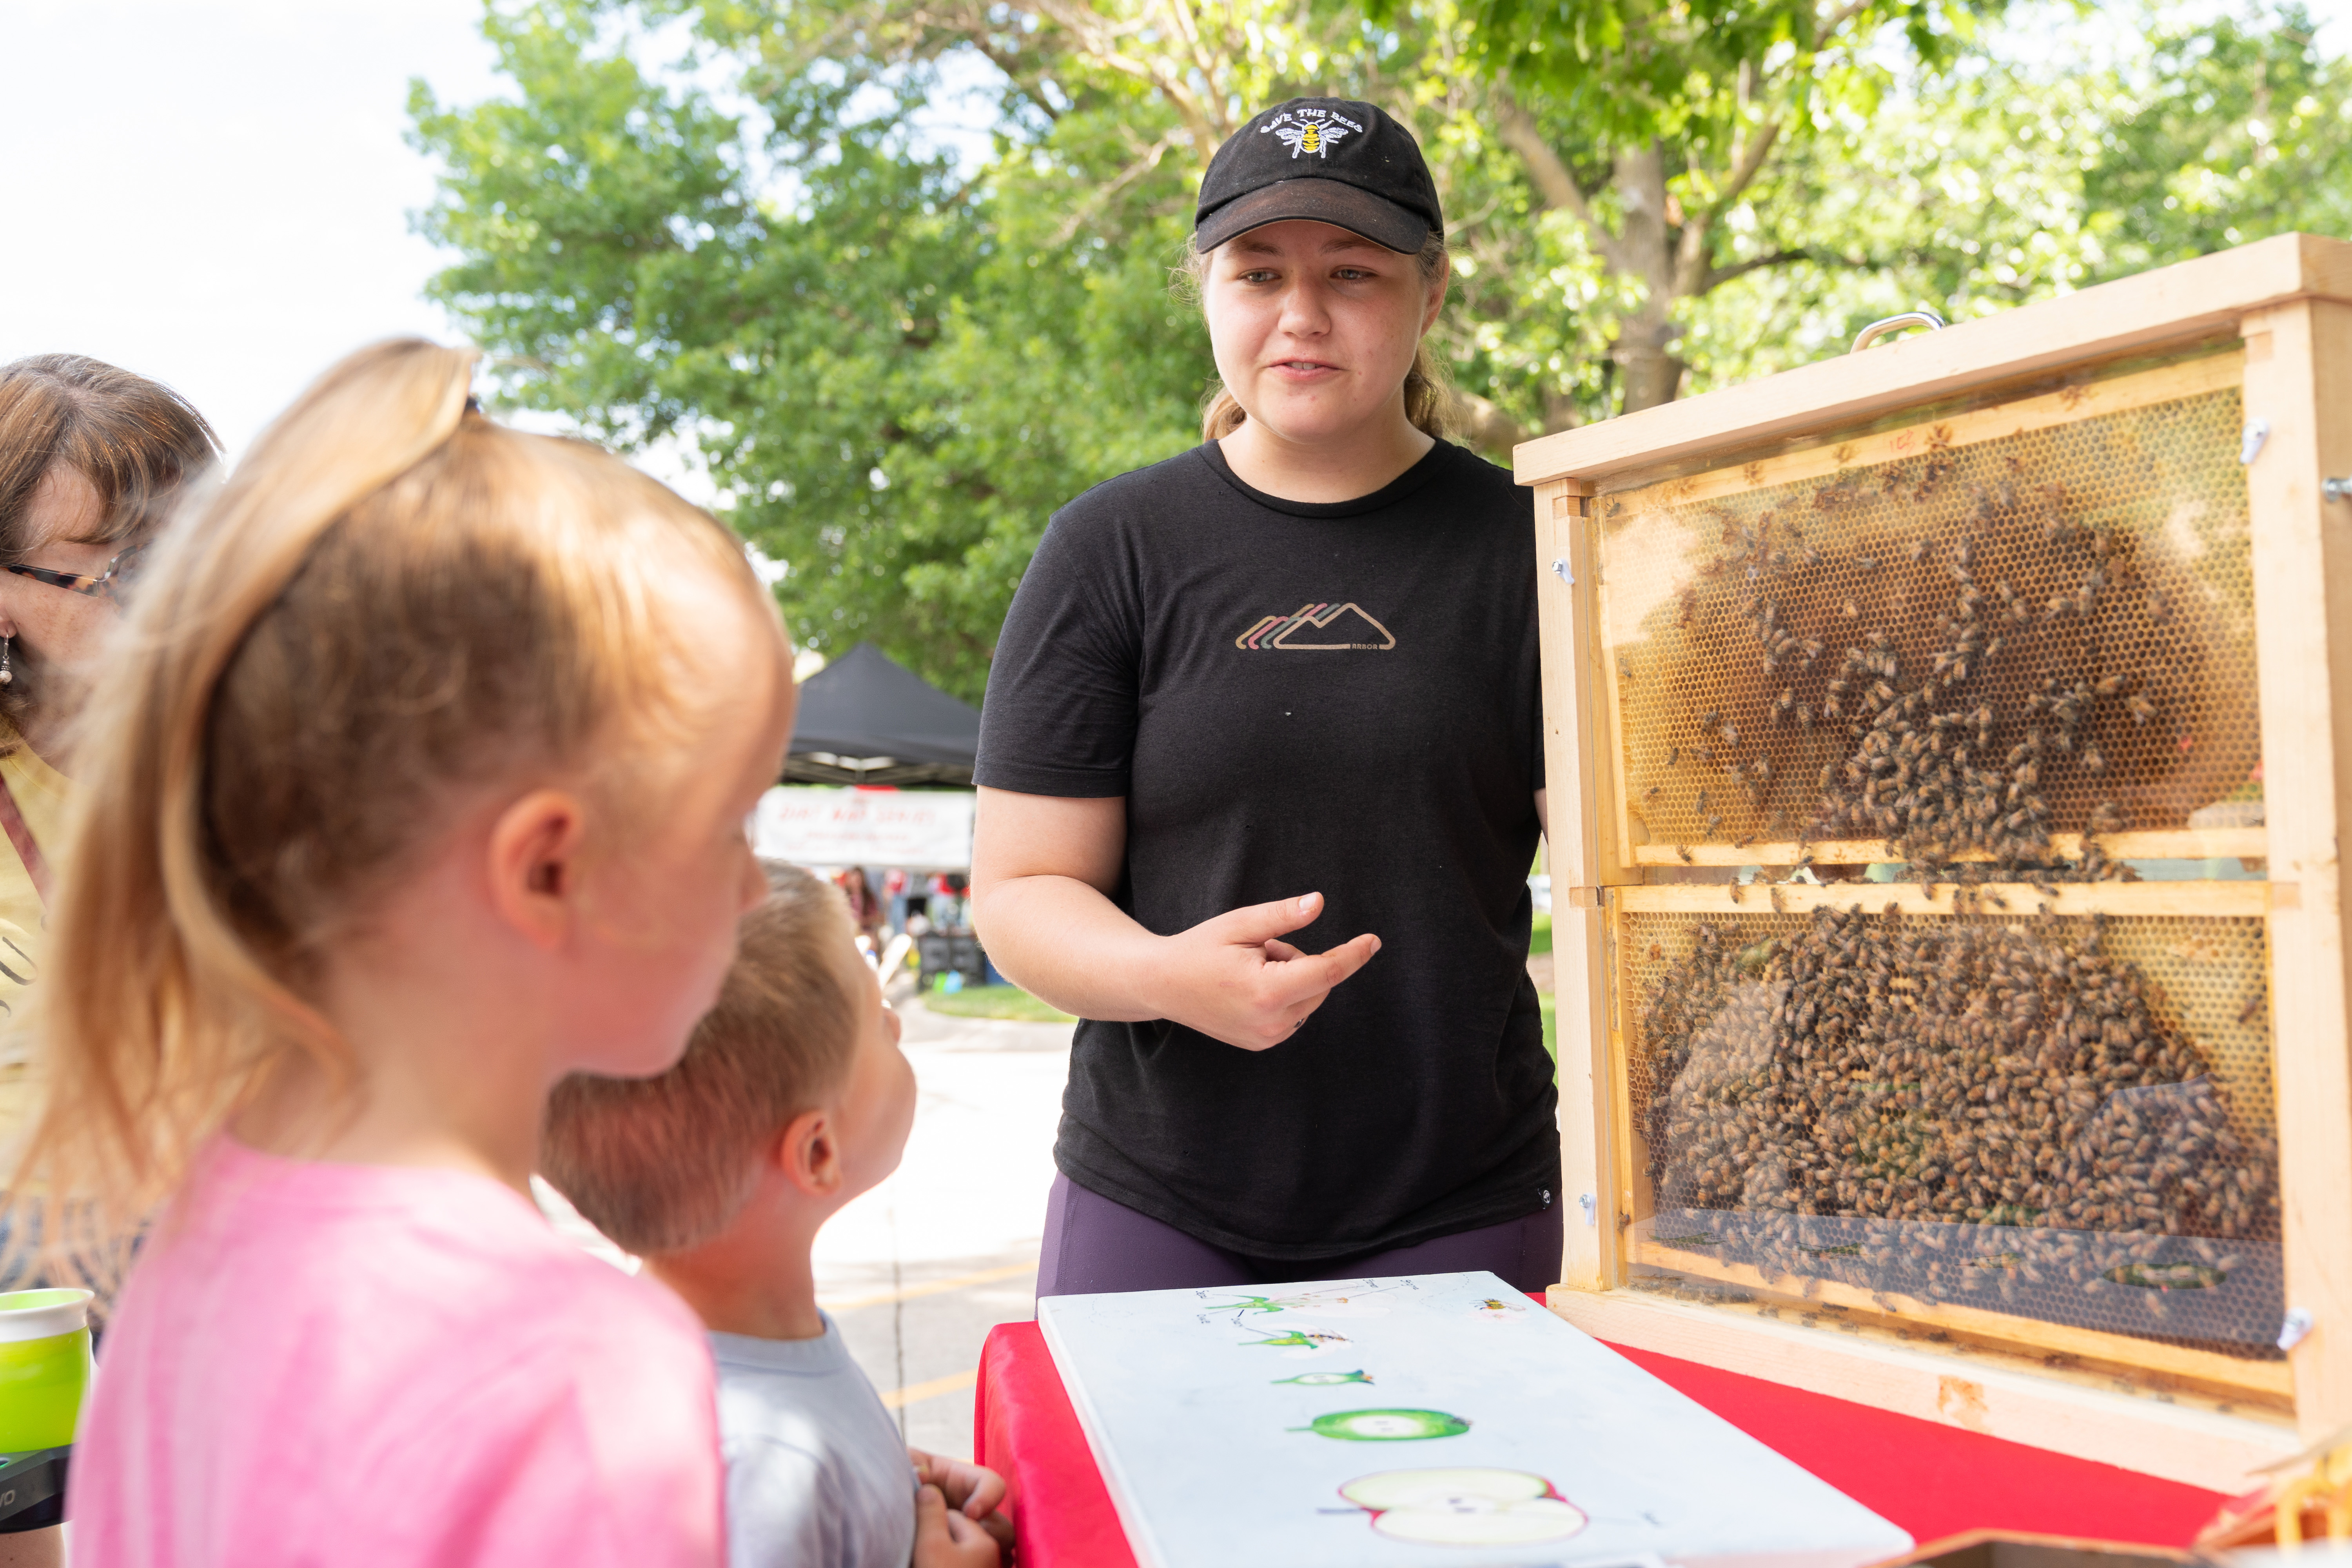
1973,1074
1928,771
1949,780
1965,1109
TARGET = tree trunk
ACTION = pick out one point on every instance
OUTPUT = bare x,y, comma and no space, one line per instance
1644,350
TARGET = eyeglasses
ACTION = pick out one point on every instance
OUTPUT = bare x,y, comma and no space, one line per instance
110,583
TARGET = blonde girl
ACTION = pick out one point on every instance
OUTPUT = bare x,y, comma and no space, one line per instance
418,783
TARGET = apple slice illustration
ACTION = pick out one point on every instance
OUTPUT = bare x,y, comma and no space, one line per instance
1465,1506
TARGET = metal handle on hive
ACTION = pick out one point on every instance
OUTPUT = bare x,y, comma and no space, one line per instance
1878,329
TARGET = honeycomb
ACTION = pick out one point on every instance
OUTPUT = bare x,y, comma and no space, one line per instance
2062,1119
1963,653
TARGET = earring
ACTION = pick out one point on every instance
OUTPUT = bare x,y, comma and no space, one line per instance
7,675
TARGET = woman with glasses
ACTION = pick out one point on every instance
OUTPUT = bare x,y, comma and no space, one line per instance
91,458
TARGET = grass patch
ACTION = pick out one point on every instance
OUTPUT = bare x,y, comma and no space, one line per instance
1552,1026
1539,938
994,1002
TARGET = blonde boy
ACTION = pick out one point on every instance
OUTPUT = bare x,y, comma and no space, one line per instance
792,1099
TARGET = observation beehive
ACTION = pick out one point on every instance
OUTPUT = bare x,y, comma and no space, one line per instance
1961,1024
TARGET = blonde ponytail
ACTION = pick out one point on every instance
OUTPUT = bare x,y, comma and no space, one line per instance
1428,391
392,598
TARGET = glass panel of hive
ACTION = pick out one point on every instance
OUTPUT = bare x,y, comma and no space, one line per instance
1958,653
2057,1120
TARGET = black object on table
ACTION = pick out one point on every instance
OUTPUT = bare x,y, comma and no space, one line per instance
33,1490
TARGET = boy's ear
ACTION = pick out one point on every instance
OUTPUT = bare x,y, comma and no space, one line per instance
534,864
810,1153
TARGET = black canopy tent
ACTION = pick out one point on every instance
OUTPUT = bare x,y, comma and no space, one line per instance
865,720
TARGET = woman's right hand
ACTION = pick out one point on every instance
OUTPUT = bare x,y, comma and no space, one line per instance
1234,979
1043,869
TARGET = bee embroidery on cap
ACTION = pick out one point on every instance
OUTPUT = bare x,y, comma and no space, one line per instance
1310,130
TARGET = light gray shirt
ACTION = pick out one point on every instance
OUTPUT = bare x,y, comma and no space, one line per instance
817,1476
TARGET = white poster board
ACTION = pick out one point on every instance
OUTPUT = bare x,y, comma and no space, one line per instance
821,825
1427,1421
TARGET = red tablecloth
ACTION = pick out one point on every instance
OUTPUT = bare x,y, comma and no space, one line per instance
1933,1480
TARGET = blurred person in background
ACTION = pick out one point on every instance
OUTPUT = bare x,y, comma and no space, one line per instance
91,459
864,907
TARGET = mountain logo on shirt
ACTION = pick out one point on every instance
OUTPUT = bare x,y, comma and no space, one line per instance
1318,629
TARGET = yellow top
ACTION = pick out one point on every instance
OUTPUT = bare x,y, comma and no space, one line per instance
45,798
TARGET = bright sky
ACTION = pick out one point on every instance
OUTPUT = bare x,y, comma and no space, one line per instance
214,193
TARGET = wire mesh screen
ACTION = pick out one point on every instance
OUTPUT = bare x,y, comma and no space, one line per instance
1962,652
2068,1120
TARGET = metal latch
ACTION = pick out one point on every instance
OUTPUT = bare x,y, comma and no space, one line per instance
1885,324
1559,569
2295,1328
2250,446
2335,489
1591,1208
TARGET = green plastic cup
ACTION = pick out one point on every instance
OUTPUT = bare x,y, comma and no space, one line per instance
44,1367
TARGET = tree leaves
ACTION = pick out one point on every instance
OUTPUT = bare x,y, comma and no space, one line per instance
899,328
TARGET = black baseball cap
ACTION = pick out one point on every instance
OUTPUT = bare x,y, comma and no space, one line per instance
1330,159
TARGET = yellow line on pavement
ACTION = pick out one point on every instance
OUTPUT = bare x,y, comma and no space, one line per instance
916,1393
928,1288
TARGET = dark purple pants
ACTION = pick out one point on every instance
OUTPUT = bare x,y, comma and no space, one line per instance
1093,1246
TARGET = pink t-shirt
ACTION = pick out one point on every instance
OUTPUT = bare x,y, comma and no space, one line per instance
368,1365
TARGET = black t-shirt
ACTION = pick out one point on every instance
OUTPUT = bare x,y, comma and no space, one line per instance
1294,699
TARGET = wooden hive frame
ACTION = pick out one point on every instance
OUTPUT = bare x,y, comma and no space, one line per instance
2274,318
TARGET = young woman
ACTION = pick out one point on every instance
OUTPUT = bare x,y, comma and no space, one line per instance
1261,780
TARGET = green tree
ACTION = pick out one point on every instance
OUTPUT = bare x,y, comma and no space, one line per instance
892,370
741,224
1658,126
889,374
2228,131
